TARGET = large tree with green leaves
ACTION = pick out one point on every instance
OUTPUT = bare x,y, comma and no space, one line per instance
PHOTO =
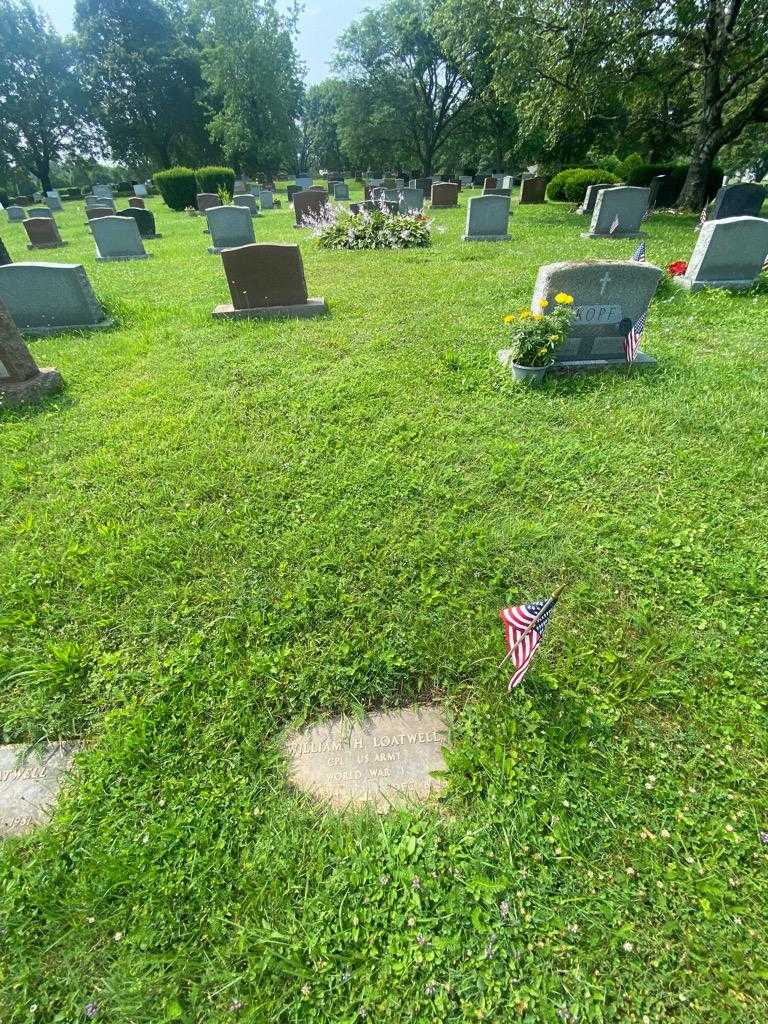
680,78
253,75
43,111
321,146
394,56
141,67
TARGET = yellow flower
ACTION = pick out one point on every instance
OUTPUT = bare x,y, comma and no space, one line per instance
564,298
524,314
553,337
537,316
543,303
509,318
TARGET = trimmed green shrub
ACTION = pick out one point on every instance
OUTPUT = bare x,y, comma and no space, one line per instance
211,179
178,187
633,161
571,186
677,173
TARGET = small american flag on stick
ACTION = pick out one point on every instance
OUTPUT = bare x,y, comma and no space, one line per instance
632,340
615,224
524,626
639,254
702,219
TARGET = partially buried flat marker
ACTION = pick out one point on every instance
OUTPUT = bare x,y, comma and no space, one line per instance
29,784
383,760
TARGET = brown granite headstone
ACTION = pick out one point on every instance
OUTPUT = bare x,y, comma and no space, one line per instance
533,190
490,183
205,200
5,258
266,281
21,380
444,195
383,760
309,203
136,202
42,233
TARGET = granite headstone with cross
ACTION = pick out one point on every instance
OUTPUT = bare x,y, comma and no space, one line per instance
21,379
266,281
609,298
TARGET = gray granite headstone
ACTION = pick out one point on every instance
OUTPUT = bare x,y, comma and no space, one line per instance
103,190
30,783
609,297
340,190
54,200
303,182
46,298
230,226
21,379
99,202
248,201
266,199
411,200
117,238
487,219
742,200
16,213
206,201
40,211
140,190
384,760
590,197
728,254
623,206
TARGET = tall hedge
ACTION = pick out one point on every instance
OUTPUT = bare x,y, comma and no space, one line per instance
178,187
211,179
677,173
571,186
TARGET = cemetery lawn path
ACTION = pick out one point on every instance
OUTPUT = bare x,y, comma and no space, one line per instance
222,530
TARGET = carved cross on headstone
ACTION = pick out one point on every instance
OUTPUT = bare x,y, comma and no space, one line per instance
605,280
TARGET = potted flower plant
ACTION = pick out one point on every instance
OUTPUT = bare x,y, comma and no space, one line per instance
536,337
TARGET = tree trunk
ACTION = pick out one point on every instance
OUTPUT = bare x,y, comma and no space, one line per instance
694,193
43,172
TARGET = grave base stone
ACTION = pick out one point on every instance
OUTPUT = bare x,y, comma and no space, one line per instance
384,760
29,784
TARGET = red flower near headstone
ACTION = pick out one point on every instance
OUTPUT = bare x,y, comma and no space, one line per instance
678,268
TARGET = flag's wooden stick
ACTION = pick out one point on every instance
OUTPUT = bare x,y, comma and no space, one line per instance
549,604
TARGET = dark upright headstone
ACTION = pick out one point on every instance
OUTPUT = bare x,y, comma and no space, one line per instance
145,220
742,200
266,281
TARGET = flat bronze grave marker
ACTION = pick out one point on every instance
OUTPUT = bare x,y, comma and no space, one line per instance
384,760
29,784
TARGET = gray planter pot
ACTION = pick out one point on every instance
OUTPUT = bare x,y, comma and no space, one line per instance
533,374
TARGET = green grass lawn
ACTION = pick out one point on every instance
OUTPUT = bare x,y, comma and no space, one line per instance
220,530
